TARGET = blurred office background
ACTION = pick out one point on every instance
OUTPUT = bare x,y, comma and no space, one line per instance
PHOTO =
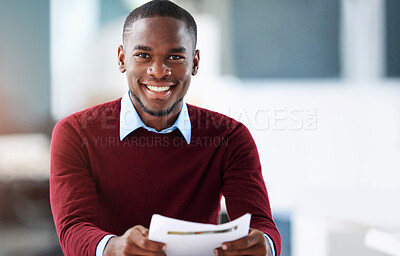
315,81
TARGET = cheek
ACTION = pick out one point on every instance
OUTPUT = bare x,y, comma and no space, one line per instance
183,73
135,72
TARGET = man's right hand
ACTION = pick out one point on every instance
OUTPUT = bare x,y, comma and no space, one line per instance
135,241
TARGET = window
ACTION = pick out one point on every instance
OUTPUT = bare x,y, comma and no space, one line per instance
393,38
286,38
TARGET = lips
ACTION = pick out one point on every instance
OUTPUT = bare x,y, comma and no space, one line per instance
158,88
159,91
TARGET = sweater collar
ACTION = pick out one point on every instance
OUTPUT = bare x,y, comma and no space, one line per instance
131,121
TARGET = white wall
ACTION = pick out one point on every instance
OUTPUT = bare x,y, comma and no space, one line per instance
73,24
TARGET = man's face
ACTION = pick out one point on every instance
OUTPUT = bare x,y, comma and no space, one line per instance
159,59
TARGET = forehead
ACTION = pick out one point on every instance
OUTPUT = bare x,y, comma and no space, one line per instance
158,31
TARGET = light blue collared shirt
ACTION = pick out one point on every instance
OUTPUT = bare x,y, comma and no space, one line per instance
131,121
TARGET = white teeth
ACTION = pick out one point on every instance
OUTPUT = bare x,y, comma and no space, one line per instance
158,88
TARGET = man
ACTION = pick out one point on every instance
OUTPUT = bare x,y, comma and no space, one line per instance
116,164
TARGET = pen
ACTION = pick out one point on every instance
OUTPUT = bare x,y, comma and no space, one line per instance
202,232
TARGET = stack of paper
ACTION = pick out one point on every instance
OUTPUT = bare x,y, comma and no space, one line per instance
185,238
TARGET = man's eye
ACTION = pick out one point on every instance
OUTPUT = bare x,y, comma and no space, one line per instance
142,55
175,57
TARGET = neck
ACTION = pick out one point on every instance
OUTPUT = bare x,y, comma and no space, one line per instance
157,122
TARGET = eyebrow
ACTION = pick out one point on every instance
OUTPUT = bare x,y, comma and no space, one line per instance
178,50
143,48
149,49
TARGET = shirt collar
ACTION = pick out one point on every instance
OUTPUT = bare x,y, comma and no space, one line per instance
130,120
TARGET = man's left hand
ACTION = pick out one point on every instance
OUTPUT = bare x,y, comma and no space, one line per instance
254,243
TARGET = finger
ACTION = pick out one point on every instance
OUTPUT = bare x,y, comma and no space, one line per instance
143,230
254,237
133,249
259,249
139,238
218,251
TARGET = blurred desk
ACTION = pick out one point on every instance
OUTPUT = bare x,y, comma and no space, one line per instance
20,240
335,220
26,225
383,241
24,173
24,156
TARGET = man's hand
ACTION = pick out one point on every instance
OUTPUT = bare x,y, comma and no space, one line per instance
135,241
253,244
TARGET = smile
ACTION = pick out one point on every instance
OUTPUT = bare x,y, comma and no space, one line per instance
158,88
161,88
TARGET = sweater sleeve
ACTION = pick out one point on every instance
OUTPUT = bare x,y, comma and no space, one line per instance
243,185
73,197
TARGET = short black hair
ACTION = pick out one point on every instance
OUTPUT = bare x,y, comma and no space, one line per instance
162,8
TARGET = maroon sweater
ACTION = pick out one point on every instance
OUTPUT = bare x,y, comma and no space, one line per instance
100,185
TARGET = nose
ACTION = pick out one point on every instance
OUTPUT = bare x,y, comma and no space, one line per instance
159,70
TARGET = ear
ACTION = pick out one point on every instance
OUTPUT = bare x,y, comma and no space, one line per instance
196,61
121,59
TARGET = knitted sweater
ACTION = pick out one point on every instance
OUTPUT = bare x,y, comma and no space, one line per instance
100,185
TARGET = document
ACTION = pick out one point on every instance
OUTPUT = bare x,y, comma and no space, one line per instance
185,238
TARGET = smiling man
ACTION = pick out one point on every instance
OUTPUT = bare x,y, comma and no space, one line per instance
159,58
116,164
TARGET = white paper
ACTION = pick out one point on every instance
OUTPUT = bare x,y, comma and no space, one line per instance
185,238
